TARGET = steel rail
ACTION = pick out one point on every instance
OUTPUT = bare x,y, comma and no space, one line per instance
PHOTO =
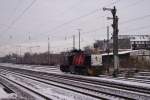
96,89
35,92
87,80
48,76
64,87
94,86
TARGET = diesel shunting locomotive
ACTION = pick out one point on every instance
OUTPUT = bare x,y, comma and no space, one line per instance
79,62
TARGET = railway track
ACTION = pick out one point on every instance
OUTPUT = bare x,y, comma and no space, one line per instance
79,89
98,87
23,92
133,79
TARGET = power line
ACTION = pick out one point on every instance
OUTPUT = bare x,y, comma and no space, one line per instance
80,17
72,20
133,4
77,18
3,25
15,9
71,7
63,12
139,28
94,30
87,32
65,22
17,18
135,19
113,3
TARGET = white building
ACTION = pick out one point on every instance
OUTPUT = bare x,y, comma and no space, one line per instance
137,41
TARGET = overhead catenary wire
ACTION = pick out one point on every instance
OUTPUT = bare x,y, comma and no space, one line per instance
87,31
13,12
113,3
70,7
83,33
19,17
138,28
68,38
70,21
83,15
15,9
135,19
63,12
59,26
77,18
133,4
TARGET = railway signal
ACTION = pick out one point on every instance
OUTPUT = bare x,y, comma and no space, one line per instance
79,39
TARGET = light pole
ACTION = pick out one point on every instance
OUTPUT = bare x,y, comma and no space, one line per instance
17,58
48,50
73,42
79,38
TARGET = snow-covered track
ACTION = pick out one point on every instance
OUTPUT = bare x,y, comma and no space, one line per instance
110,89
133,79
6,88
28,92
75,88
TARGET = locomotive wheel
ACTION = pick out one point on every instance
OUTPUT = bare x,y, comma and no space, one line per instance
78,70
64,68
92,71
72,69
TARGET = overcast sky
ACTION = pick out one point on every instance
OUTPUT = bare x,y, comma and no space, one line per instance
28,23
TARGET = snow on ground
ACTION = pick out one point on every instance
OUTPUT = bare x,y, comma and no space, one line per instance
41,68
134,79
137,84
55,93
5,95
55,69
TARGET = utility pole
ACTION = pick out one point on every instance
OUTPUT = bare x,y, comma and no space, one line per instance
48,50
107,37
115,39
107,41
73,42
79,37
108,50
18,55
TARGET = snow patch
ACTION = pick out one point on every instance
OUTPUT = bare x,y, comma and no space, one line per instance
4,95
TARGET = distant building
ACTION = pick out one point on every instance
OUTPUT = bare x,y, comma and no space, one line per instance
122,44
137,41
126,42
